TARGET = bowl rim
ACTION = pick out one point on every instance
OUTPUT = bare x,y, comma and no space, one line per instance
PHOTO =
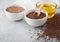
51,2
14,5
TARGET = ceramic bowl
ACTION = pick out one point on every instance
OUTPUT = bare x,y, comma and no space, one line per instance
36,22
14,16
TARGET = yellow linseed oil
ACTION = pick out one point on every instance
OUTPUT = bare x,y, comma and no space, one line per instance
49,8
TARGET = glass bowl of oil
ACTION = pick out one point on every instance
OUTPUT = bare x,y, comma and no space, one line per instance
48,6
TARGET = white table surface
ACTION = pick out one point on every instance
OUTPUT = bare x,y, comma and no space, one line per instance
11,31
